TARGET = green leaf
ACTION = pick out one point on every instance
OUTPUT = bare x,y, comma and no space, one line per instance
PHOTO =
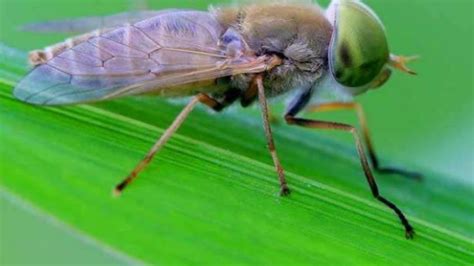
211,194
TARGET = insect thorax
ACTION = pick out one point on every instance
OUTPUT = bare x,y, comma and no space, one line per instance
298,33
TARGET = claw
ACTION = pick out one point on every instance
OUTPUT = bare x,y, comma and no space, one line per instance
284,191
410,233
116,193
399,62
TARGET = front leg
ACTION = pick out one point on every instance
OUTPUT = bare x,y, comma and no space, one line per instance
366,136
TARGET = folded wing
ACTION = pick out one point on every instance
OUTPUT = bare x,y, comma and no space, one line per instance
162,52
85,24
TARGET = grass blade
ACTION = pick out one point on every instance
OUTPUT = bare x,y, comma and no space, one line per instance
211,196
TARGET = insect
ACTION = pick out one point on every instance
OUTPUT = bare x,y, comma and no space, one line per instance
240,54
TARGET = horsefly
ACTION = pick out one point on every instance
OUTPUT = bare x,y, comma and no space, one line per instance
242,53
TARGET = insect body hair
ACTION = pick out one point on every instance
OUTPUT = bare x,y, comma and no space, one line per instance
299,33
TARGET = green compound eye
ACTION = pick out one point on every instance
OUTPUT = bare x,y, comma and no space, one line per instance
358,50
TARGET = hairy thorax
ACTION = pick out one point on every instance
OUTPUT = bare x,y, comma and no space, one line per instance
298,33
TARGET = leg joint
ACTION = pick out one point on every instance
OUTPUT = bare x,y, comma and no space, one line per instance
289,119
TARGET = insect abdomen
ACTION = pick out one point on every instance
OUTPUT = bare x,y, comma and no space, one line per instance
38,57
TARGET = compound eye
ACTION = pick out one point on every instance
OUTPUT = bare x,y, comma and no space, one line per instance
358,51
383,77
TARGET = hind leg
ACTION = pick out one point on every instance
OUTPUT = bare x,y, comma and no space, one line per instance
366,136
316,124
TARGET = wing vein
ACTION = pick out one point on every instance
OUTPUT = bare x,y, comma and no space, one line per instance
44,90
146,35
58,69
164,80
48,100
199,24
194,52
128,46
103,50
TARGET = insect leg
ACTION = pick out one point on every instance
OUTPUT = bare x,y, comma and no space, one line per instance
366,136
157,146
409,232
284,190
249,96
230,97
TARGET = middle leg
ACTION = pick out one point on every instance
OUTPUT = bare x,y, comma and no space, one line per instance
231,97
284,190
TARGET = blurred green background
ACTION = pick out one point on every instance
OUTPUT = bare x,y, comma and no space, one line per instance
424,121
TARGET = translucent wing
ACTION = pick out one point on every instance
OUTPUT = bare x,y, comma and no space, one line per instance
155,55
138,11
79,25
